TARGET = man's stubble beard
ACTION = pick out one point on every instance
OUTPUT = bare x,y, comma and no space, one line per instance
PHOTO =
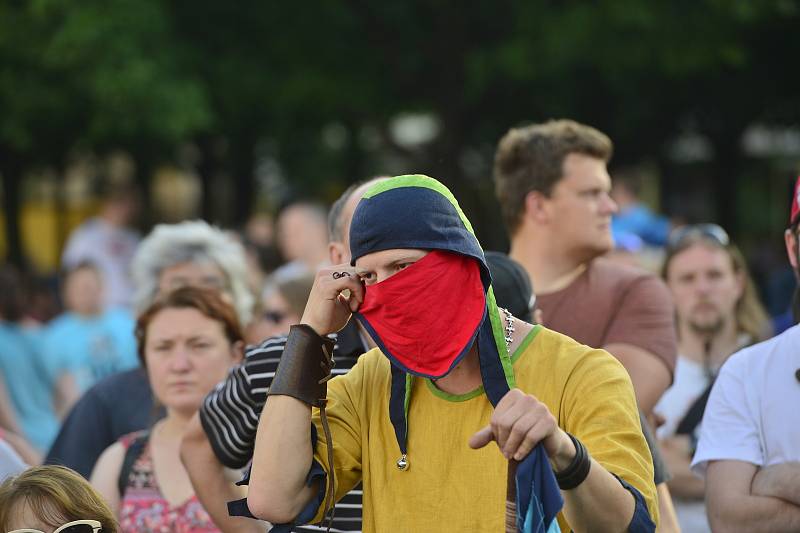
707,328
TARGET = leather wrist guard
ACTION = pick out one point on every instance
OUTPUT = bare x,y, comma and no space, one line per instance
578,470
305,366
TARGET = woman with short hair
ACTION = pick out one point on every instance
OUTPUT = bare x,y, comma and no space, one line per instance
187,341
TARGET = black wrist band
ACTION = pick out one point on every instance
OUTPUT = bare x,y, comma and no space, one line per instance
578,469
305,366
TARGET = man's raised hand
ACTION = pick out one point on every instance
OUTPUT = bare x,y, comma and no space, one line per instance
336,294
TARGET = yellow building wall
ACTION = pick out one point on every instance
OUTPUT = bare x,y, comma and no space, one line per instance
42,240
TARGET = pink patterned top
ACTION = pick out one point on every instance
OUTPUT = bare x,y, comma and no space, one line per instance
143,508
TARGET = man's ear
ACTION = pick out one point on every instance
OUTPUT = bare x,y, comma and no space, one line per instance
536,207
791,247
336,252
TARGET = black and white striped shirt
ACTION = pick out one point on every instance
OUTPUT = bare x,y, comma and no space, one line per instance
230,412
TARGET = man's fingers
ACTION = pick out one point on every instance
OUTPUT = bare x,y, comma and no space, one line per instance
539,431
504,419
518,432
481,438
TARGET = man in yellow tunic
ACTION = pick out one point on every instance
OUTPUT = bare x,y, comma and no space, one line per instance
452,373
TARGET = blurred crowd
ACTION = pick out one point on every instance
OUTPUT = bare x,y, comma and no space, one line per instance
150,327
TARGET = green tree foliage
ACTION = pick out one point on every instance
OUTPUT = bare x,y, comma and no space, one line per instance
150,74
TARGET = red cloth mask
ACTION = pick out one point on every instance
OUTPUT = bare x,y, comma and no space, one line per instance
425,318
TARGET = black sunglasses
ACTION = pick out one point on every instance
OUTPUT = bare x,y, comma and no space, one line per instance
692,232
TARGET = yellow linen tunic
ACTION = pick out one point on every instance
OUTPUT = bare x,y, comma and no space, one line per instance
449,486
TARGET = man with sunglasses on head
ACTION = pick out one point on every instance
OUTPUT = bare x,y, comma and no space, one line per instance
718,312
749,447
554,190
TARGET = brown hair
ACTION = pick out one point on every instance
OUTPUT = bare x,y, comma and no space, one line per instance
532,159
56,495
209,302
751,317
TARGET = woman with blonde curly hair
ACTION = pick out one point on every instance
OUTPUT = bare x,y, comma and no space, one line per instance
53,499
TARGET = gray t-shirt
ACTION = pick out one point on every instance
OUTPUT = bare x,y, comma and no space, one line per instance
10,463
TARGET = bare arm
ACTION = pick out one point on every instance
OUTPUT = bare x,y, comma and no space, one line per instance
600,503
210,482
23,449
732,507
779,481
8,419
283,452
677,454
106,475
668,520
66,394
281,461
649,374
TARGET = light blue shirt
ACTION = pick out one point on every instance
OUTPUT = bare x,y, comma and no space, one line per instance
22,369
90,348
653,229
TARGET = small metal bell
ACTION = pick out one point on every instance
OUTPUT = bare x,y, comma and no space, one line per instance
402,463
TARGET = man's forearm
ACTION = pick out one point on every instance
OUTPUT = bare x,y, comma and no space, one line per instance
282,460
779,481
753,514
67,394
733,507
600,503
684,484
210,483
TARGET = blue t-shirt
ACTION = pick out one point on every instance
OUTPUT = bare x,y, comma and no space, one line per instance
637,219
22,369
90,348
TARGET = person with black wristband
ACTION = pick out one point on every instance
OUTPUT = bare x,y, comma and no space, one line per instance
452,373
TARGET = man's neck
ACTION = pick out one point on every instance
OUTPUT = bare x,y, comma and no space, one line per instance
549,264
720,345
465,377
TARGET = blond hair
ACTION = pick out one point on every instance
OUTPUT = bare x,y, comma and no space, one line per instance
56,495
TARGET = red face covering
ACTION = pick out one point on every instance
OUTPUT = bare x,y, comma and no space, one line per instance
425,317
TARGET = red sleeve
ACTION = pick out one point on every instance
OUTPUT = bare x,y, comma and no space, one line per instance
645,318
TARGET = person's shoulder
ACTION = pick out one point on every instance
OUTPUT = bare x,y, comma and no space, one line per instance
616,274
118,316
65,320
638,288
109,463
111,386
373,361
87,228
12,334
372,368
762,356
562,354
64,328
